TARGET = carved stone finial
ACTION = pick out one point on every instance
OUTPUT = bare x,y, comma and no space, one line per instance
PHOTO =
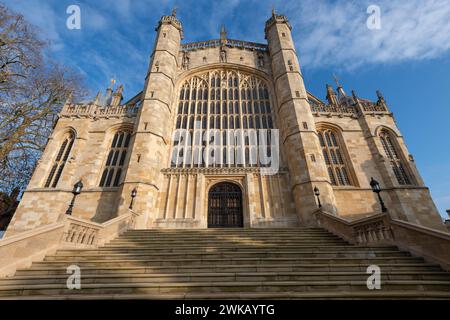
273,11
174,12
336,80
120,89
223,33
331,95
380,96
97,98
112,83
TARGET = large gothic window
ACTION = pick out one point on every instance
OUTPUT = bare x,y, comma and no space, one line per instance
393,155
220,102
333,154
60,161
116,159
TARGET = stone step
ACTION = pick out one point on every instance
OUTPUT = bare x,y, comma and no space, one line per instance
362,295
403,267
206,249
231,249
224,277
219,243
216,255
229,230
229,235
227,261
206,288
228,240
229,264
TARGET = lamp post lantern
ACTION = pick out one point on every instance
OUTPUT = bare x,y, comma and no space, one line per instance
75,191
317,194
133,195
377,189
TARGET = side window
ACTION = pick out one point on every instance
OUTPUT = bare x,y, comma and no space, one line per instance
60,161
393,154
113,168
334,158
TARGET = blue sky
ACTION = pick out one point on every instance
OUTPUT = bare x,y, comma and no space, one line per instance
407,59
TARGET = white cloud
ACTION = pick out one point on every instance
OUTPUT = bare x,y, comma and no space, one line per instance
43,16
335,33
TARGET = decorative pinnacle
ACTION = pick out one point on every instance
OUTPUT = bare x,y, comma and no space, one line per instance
174,12
273,11
380,95
336,80
223,33
113,82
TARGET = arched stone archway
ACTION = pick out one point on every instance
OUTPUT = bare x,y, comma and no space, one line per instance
225,206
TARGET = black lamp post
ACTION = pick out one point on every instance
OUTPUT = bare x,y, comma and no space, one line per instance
377,189
133,195
76,191
317,194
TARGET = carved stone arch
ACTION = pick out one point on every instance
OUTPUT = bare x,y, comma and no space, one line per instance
232,181
329,125
378,130
217,68
225,205
60,134
120,126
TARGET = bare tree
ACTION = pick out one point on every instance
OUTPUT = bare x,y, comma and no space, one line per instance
32,92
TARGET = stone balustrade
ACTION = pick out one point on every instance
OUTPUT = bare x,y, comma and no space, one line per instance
22,249
81,233
433,245
96,111
370,230
373,232
330,109
373,107
224,42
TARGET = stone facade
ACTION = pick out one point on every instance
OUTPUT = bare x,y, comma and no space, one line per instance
335,146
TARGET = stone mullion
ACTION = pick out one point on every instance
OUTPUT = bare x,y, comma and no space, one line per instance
208,119
241,117
194,115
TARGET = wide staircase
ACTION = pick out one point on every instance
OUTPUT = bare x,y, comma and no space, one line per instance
229,264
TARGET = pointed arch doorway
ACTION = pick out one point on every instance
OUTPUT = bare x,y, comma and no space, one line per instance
225,206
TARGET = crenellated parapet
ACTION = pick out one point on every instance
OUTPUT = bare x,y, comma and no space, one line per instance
97,111
172,20
277,18
339,104
225,42
103,107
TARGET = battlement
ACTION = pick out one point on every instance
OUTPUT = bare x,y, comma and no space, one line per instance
224,42
96,111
